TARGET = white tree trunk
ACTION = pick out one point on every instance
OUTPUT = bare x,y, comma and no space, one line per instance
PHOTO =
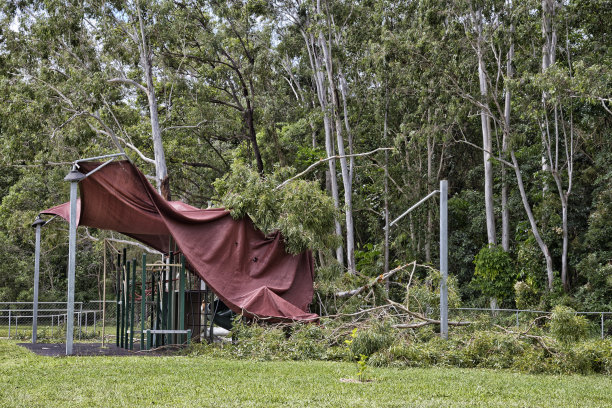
532,222
505,234
318,76
161,169
487,145
346,179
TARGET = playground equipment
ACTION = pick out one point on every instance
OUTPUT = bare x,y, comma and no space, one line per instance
166,300
251,273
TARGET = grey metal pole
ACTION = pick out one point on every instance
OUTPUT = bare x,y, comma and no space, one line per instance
73,177
443,258
38,223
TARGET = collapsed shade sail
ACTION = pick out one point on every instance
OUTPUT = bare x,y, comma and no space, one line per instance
250,272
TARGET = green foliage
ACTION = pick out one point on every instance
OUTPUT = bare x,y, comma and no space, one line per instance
424,292
369,341
566,326
302,213
495,272
524,295
362,367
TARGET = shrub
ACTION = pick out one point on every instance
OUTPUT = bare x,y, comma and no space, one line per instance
495,272
566,326
369,341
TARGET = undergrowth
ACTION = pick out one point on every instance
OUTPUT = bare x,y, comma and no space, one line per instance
381,345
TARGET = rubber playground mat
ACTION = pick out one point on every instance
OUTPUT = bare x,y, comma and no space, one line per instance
93,349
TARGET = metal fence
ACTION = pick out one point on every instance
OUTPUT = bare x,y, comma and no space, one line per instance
509,317
16,319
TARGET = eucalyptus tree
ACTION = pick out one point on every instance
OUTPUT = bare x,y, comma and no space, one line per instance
224,46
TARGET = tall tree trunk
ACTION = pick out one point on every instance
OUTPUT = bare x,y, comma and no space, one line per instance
532,221
248,116
161,169
386,184
318,76
429,231
487,145
346,179
505,235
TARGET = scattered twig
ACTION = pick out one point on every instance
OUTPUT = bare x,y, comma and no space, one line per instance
321,161
378,279
539,339
421,317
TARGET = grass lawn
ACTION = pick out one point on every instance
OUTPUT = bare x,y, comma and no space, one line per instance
27,380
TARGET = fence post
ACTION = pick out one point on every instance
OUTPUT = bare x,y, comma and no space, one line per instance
602,325
9,336
517,318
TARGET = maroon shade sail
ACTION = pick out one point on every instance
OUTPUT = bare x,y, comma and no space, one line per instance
250,272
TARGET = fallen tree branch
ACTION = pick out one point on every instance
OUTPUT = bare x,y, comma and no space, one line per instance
321,161
539,339
419,316
378,279
123,241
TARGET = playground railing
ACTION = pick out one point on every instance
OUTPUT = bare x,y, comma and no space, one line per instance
16,319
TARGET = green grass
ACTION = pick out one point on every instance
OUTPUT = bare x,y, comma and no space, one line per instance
28,380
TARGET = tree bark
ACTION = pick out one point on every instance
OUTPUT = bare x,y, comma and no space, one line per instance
532,221
346,179
429,231
505,234
316,66
487,143
161,169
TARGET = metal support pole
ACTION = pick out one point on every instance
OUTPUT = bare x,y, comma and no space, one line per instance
602,325
172,300
126,327
143,305
132,304
443,258
9,336
38,223
517,318
73,177
118,305
181,299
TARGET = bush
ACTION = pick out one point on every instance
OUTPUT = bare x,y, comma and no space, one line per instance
382,345
566,326
495,272
369,341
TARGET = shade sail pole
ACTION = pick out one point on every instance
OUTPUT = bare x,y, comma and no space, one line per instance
73,177
38,223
